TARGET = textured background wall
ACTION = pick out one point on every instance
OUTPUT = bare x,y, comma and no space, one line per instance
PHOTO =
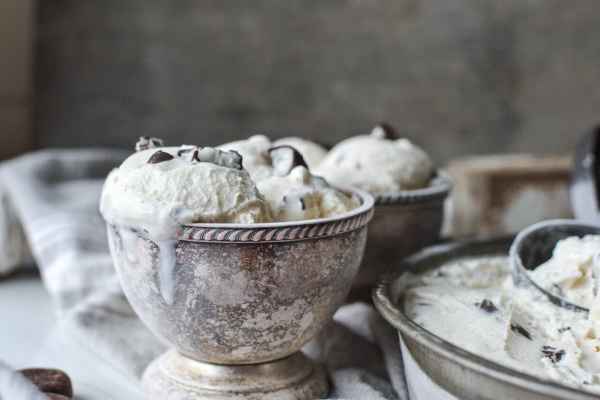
456,76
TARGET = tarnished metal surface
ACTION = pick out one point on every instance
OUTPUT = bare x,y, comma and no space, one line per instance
242,303
402,224
248,296
460,373
245,302
177,377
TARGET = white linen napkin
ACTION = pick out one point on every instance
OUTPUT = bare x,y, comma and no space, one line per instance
54,195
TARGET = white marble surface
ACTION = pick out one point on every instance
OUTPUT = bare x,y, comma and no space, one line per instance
32,336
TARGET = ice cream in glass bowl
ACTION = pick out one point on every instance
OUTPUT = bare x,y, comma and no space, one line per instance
235,273
409,196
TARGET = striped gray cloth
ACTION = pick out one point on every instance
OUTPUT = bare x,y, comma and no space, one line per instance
53,196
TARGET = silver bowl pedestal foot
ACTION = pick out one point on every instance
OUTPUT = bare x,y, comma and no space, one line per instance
174,376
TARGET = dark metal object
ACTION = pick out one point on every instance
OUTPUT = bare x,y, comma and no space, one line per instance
584,189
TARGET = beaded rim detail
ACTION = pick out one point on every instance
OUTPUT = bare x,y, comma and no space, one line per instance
282,231
436,192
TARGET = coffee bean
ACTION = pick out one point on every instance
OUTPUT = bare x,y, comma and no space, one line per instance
50,380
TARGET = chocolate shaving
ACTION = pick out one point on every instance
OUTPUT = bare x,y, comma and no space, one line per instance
159,157
147,142
284,159
386,132
561,330
50,380
487,305
552,354
190,154
520,330
302,204
56,396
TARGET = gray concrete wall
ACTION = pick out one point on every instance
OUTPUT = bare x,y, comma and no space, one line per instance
456,76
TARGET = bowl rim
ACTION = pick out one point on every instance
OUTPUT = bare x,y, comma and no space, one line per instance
563,228
439,189
388,308
284,231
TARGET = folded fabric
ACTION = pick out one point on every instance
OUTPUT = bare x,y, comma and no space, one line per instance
54,194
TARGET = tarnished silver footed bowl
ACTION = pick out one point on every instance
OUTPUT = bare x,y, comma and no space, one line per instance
436,369
403,223
237,302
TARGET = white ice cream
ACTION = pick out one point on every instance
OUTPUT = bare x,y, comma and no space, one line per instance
474,304
312,152
377,164
157,198
292,192
158,189
568,273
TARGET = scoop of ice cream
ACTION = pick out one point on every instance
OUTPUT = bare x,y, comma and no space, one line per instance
568,273
157,189
294,194
377,163
313,153
282,176
254,154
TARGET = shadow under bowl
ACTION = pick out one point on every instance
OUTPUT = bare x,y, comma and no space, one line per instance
242,294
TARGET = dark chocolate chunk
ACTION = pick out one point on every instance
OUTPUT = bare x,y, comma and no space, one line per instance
516,328
556,290
551,353
386,131
190,155
147,142
50,380
159,157
487,305
56,396
302,204
284,159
